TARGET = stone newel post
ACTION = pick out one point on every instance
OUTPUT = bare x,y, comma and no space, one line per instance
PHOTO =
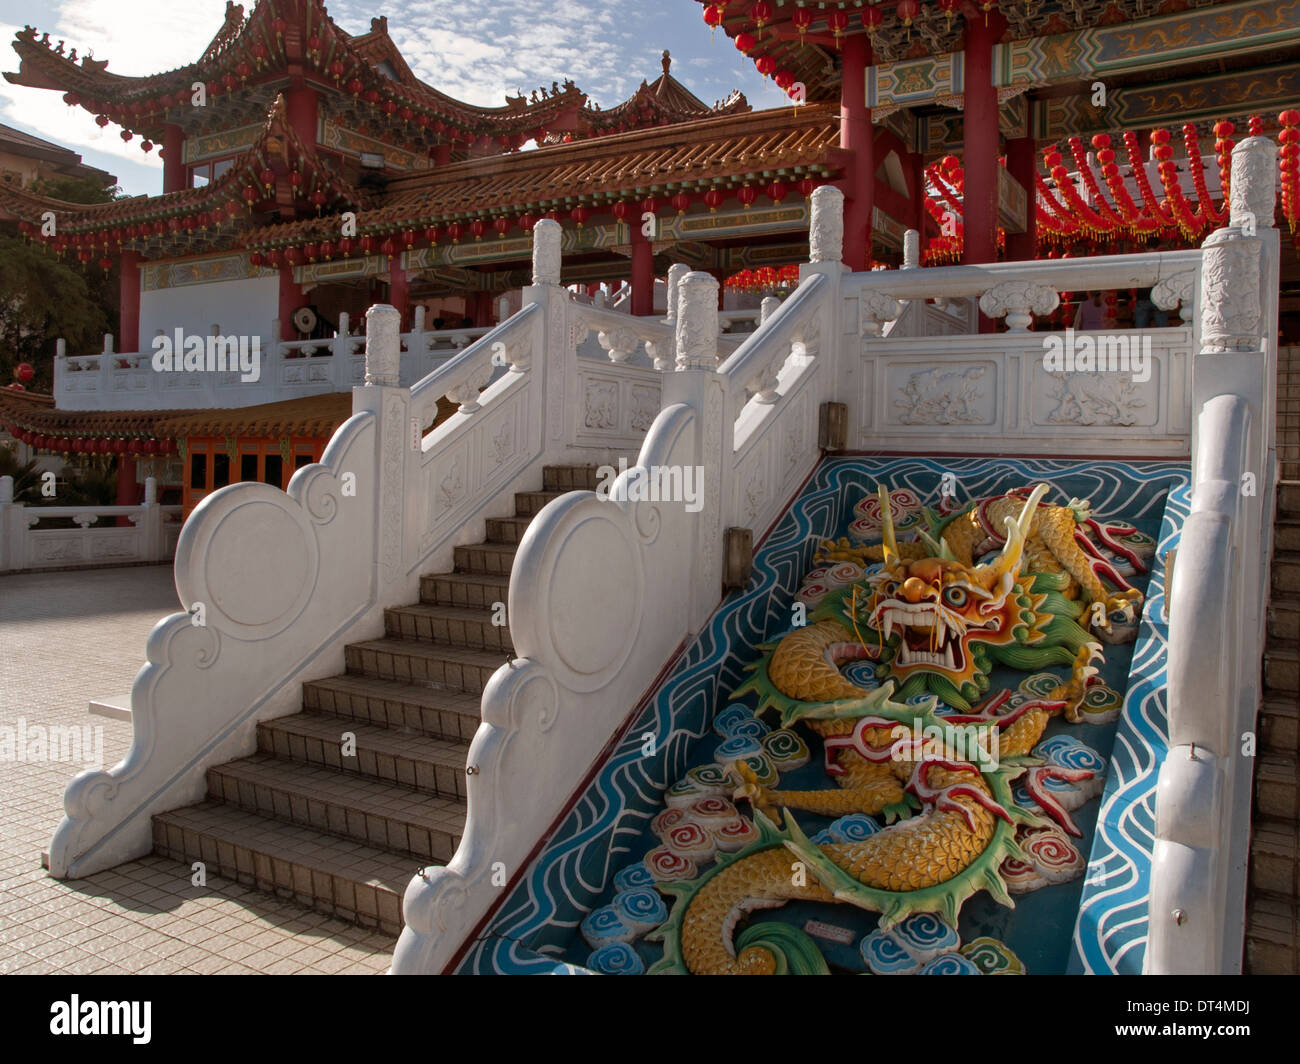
826,228
697,322
1231,305
383,345
546,251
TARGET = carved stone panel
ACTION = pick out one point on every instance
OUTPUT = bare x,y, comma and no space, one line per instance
962,393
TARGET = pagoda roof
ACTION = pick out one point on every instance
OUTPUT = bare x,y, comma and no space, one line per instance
660,102
163,225
252,59
37,413
311,415
718,151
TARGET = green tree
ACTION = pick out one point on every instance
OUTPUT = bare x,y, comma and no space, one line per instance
76,190
43,298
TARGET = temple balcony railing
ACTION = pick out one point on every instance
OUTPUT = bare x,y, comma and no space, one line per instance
149,534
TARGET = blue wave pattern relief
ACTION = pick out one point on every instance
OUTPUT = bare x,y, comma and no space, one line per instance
537,924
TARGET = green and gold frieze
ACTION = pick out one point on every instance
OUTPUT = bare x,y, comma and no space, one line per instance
205,270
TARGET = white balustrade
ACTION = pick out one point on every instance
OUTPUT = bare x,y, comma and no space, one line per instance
150,535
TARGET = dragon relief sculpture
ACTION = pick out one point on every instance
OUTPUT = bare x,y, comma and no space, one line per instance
934,621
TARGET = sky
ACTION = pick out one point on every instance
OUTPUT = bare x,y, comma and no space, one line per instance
478,52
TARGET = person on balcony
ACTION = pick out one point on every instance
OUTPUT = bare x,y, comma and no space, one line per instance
1092,313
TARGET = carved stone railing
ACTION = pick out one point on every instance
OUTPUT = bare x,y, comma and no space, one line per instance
287,369
150,537
1219,591
275,583
603,590
979,391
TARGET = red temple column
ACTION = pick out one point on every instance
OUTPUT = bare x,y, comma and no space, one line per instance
442,153
643,274
128,316
980,139
300,108
856,139
291,298
127,489
399,287
1021,163
173,156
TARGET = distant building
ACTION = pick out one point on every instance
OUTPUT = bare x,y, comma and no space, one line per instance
25,159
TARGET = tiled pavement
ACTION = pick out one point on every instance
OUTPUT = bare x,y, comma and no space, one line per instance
66,638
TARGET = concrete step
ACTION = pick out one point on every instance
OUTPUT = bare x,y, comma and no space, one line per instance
342,803
336,876
478,590
569,478
1272,936
1286,534
1286,571
1275,787
430,711
506,529
413,661
1284,620
529,503
1279,726
457,626
1275,856
434,766
1281,668
493,558
1288,498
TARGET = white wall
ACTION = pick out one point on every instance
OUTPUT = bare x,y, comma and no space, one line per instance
241,308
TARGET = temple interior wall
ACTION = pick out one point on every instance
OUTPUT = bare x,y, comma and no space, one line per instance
242,307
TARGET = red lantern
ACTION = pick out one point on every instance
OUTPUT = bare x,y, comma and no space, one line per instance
478,228
327,249
714,14
784,79
806,186
527,221
619,210
579,214
311,251
408,238
761,13
24,371
765,65
746,43
455,230
345,247
336,69
746,195
801,19
387,247
713,199
255,259
776,191
101,120
313,43
681,201
502,225
837,22
367,244
908,11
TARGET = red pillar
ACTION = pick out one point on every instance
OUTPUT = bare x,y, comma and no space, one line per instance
980,139
300,109
291,298
442,153
1021,163
173,156
856,139
643,274
128,316
126,486
917,163
399,287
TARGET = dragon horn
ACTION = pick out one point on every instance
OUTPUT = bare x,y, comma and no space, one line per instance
1008,561
887,526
